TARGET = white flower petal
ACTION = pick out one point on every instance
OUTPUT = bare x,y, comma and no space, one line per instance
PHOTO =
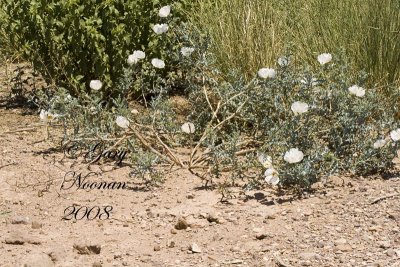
293,156
283,61
160,28
46,115
395,135
357,90
43,115
379,143
164,11
158,63
265,73
188,128
324,58
136,57
271,176
299,107
274,180
95,85
187,51
122,122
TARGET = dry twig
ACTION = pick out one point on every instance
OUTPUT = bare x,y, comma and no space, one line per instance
383,198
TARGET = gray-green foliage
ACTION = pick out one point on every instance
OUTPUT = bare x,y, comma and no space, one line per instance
236,122
336,134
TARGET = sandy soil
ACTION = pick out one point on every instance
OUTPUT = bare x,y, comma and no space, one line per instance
338,225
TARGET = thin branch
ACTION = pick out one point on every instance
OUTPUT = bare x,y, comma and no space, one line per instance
383,198
146,144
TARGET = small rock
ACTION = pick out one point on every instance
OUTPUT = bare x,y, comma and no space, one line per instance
393,216
117,256
212,217
38,260
170,243
157,248
36,225
15,238
196,223
374,228
321,244
19,220
271,216
181,224
87,249
261,236
258,230
391,252
309,256
384,244
340,241
195,248
173,231
307,212
235,249
96,264
344,247
57,253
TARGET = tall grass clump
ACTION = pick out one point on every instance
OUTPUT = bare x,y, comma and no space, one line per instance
248,34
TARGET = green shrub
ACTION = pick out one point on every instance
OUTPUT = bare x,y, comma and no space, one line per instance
73,42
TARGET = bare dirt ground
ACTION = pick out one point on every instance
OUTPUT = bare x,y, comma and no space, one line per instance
338,225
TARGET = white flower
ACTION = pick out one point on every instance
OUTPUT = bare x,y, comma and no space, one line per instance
46,115
164,11
379,143
158,63
43,115
357,90
265,160
160,28
271,176
283,61
95,85
135,57
134,111
299,107
266,73
122,122
188,128
324,58
187,51
293,156
395,135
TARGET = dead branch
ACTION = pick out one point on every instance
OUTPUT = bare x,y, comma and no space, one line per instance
383,198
